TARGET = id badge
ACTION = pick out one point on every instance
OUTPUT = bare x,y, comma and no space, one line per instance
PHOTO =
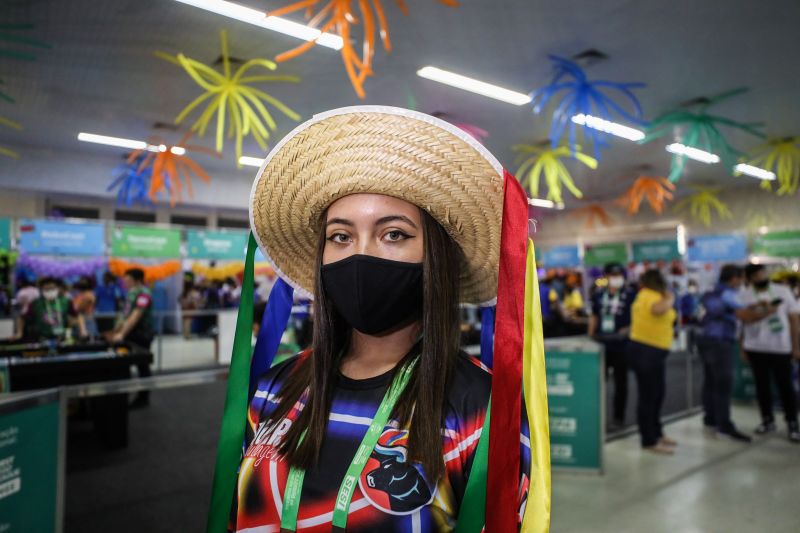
608,324
775,324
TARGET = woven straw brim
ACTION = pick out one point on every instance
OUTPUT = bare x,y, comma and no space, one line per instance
379,150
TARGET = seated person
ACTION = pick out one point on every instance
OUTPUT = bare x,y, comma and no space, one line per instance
52,314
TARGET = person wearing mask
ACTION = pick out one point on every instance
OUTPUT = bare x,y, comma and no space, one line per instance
770,343
716,344
690,303
52,315
108,296
609,325
136,327
652,322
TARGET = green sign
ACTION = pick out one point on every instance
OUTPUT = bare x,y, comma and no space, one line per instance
655,251
133,241
778,244
5,234
216,245
600,254
29,464
574,397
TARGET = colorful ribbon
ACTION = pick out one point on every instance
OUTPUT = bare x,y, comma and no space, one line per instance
273,324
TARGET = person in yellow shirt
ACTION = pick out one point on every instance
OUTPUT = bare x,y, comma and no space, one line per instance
652,322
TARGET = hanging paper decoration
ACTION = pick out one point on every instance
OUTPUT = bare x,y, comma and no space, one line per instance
152,273
656,190
703,203
338,16
8,34
755,219
701,130
231,270
169,166
582,96
232,98
133,183
594,214
8,152
781,156
538,159
59,268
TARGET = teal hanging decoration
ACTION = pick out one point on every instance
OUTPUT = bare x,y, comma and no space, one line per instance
694,127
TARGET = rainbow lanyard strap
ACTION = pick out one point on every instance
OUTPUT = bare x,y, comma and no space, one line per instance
294,483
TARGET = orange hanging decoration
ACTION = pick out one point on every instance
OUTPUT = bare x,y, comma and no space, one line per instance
594,213
170,165
656,190
338,16
152,273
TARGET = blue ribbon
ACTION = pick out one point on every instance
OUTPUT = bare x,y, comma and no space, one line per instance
487,336
276,317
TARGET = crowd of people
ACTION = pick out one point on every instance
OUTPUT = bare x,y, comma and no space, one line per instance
636,322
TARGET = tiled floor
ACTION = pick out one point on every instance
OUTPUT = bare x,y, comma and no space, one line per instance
709,485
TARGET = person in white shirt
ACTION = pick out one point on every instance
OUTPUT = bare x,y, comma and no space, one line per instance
770,344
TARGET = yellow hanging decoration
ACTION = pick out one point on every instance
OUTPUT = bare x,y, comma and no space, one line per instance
232,98
538,159
781,156
702,203
14,125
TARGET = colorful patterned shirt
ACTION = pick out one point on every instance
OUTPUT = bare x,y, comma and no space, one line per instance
393,493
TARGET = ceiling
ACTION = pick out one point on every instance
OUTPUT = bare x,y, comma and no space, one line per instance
101,75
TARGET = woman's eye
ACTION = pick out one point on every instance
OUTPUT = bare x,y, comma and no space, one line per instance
340,238
396,235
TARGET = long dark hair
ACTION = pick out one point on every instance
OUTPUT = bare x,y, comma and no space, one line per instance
653,279
426,391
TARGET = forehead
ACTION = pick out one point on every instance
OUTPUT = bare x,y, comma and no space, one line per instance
368,205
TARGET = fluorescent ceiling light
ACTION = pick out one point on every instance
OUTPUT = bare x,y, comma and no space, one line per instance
754,172
260,18
112,141
251,161
128,143
548,204
693,153
472,85
596,123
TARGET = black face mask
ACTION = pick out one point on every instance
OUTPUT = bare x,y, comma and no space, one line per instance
761,285
372,294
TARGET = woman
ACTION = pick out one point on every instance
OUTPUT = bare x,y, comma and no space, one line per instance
360,212
84,302
652,322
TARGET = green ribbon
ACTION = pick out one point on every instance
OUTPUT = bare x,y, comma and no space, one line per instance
472,514
234,417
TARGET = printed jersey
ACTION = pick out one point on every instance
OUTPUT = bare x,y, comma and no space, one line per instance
393,493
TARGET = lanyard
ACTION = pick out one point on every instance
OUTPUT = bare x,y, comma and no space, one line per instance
52,313
614,303
294,483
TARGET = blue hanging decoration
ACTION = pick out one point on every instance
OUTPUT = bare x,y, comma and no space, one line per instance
276,317
585,97
132,183
487,336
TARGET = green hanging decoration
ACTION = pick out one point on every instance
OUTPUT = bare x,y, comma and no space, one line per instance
697,128
11,41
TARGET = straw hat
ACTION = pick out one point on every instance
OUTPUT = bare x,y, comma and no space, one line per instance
381,150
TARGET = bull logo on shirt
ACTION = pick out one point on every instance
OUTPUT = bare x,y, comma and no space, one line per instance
390,481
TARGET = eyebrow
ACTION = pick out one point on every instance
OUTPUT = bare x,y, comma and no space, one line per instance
379,222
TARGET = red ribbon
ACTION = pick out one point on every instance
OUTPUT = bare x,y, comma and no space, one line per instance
503,476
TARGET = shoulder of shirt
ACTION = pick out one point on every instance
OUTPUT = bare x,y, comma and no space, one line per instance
471,382
279,372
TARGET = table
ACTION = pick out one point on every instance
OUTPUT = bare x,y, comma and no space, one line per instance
109,413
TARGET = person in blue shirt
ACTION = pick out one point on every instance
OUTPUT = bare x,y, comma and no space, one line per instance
720,316
108,296
690,303
609,325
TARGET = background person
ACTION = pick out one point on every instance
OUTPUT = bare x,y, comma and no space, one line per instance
716,345
108,297
770,344
52,315
652,321
84,301
136,327
609,325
